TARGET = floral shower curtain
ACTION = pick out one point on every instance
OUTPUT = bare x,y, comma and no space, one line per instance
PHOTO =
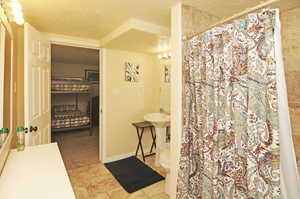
230,141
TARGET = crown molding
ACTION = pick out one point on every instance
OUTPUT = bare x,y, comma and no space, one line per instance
135,24
72,41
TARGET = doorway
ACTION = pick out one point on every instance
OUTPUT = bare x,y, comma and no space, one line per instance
75,104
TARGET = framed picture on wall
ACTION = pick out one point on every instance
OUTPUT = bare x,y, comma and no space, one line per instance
132,72
167,73
92,76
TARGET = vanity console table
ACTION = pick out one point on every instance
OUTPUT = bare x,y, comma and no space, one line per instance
35,173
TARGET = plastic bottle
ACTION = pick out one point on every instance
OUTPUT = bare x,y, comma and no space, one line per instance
4,134
20,138
1,140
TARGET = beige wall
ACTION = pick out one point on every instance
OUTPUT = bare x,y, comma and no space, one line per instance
71,70
195,20
291,50
126,102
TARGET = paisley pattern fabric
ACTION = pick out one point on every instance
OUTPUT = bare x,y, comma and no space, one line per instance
230,140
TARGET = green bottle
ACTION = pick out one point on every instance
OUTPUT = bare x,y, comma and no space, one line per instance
1,136
5,133
20,138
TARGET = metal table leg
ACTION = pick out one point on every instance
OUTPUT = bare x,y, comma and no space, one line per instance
140,143
153,138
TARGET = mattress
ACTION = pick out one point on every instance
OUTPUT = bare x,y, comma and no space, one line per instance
69,84
68,116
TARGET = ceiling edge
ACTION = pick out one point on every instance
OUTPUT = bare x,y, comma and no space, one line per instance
116,33
135,24
72,41
74,63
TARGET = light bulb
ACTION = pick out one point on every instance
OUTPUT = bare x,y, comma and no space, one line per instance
159,57
15,6
165,55
17,14
170,54
19,21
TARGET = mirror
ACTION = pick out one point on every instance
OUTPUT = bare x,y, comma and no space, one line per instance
6,74
6,91
7,82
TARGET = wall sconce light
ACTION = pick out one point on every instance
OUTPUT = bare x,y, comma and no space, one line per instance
13,9
165,55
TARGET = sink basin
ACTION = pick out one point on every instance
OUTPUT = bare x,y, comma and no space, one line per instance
159,120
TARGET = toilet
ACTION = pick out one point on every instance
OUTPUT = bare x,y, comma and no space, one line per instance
165,162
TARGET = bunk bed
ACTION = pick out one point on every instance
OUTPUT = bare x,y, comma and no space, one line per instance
68,117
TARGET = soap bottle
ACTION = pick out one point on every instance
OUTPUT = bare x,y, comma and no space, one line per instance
20,138
4,134
1,138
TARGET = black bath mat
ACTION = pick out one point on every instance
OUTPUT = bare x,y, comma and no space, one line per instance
133,174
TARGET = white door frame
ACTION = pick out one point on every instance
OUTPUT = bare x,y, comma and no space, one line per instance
90,44
2,63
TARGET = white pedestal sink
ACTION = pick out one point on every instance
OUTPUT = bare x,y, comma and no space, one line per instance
160,121
162,158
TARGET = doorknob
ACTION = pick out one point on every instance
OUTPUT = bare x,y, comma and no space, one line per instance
33,129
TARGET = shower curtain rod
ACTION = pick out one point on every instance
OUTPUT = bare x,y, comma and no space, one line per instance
244,12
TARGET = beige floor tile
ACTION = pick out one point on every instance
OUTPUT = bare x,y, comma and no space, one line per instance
80,192
95,181
100,196
150,161
160,196
90,175
92,180
102,185
155,189
122,194
94,169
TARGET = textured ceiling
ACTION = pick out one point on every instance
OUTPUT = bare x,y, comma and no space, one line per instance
94,19
74,55
140,41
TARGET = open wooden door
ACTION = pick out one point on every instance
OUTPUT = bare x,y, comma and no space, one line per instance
37,61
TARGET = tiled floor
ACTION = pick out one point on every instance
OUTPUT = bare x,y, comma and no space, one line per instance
90,179
96,182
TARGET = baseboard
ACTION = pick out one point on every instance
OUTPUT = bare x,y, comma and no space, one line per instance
122,156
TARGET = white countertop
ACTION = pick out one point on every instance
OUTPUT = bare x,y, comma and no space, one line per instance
36,173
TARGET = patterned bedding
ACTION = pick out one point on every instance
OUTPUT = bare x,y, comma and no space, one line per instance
67,116
69,84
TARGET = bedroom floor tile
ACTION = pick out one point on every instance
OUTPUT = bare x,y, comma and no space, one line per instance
78,148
